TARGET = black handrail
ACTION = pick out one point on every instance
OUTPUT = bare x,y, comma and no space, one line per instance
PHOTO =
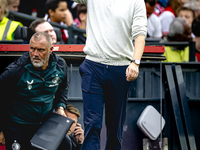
168,43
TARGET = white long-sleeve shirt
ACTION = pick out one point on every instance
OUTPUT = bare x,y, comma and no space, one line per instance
111,27
154,27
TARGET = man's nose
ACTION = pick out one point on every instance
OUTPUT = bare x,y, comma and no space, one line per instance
65,13
50,33
35,52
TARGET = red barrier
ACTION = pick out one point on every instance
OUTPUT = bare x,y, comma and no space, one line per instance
71,48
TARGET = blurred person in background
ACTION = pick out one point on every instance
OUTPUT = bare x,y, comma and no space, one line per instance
154,28
196,32
58,12
7,27
81,13
179,31
186,13
41,25
13,5
169,14
72,7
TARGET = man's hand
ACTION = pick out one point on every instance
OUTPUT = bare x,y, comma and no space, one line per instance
2,139
79,134
61,111
132,72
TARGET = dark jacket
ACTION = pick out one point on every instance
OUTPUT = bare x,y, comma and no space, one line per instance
27,95
69,143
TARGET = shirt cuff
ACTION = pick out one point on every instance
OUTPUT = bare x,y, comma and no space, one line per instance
62,105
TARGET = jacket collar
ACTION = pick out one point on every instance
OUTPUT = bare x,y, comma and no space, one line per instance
26,62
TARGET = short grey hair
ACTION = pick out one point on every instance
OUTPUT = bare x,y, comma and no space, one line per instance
176,27
39,35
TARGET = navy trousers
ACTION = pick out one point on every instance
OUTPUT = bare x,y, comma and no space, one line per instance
103,84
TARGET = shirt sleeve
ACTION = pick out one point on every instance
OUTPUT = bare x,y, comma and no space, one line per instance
139,26
166,19
158,32
158,27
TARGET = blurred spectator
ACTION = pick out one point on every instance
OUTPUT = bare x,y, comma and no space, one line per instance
7,27
81,13
154,28
40,25
13,5
58,12
179,31
194,5
186,13
169,14
196,32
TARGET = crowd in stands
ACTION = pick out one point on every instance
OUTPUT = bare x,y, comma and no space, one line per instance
160,15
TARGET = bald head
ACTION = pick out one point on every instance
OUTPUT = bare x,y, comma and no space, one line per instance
38,36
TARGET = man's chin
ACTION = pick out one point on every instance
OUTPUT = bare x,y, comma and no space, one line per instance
38,65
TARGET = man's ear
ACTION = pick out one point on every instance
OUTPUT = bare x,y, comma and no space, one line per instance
51,49
50,12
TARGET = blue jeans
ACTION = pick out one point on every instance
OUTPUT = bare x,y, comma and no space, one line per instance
103,84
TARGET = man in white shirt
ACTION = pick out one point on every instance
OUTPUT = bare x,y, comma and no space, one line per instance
154,28
111,64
